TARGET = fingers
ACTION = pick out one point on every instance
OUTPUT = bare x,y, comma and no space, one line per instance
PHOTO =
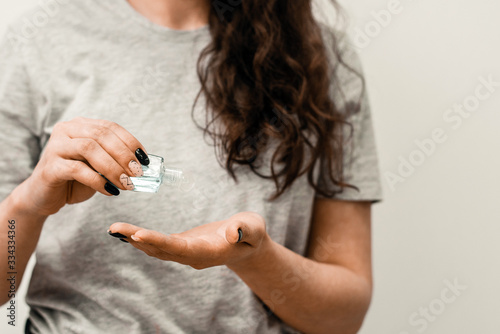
84,149
138,151
168,243
125,228
108,148
82,173
151,242
217,243
114,139
118,230
147,237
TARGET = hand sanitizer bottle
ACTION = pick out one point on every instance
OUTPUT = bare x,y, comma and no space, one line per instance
155,174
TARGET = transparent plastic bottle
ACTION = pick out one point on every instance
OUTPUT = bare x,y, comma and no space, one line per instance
155,174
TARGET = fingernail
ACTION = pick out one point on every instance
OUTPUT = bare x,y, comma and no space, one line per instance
135,168
142,157
126,182
116,235
124,240
110,188
240,235
133,237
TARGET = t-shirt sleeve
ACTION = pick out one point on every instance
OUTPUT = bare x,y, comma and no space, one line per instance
360,162
19,145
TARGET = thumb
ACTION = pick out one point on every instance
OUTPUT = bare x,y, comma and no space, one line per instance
234,233
239,231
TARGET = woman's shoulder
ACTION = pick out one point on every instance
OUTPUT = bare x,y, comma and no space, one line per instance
344,60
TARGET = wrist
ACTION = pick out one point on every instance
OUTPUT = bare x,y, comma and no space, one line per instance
20,201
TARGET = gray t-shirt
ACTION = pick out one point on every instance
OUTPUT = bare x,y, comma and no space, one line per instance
101,59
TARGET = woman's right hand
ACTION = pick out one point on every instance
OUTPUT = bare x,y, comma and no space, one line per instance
77,151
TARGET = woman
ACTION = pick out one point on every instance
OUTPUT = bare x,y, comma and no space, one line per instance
259,103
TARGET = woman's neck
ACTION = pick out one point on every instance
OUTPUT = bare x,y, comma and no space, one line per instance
174,14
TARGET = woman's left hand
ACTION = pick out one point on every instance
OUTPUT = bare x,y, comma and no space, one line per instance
225,242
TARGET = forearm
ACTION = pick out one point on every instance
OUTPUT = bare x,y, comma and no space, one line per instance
310,296
20,230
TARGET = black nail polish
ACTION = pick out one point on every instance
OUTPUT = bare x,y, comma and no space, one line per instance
124,240
240,235
117,235
142,157
110,188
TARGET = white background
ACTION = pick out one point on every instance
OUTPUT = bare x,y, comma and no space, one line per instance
442,222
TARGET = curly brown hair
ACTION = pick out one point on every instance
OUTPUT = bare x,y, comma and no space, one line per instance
266,75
